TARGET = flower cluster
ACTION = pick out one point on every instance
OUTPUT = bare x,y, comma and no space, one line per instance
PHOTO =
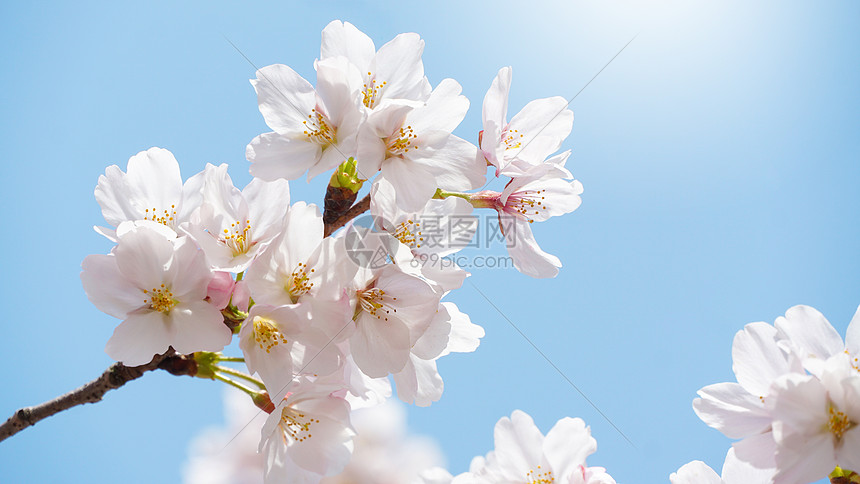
795,407
325,313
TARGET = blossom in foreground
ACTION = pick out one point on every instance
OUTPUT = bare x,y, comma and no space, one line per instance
392,310
307,436
815,339
157,284
233,226
394,72
738,409
524,455
280,343
151,189
412,145
816,422
542,192
313,129
530,137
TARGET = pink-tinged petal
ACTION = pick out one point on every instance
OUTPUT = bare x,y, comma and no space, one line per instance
736,471
757,450
285,98
144,256
220,289
413,184
544,124
344,39
696,472
852,337
567,445
526,253
190,272
107,288
198,326
379,347
328,444
756,358
154,176
732,410
140,337
519,444
273,156
398,64
495,107
809,330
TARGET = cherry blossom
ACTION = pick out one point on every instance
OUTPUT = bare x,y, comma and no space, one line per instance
313,129
530,137
524,455
816,340
157,284
152,189
308,435
735,471
816,422
232,227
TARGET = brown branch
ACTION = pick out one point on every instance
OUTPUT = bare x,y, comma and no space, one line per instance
360,207
114,377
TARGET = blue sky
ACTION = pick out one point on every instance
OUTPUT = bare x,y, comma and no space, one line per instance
719,155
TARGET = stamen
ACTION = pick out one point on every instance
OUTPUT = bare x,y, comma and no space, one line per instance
402,143
298,283
525,203
538,477
267,335
318,130
238,238
409,233
371,93
167,217
297,425
371,301
160,299
837,422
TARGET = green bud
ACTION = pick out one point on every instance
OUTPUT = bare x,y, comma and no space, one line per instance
346,176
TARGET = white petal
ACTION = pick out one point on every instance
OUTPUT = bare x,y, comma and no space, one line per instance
107,288
198,326
696,472
273,156
567,445
528,257
285,98
495,107
756,358
344,39
732,410
140,337
810,331
379,347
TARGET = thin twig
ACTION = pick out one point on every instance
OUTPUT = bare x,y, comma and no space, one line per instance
114,377
360,207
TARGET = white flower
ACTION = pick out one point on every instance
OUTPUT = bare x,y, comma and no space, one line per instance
395,72
280,343
530,137
151,190
524,455
307,436
313,129
539,194
156,283
815,338
412,145
816,423
392,310
299,262
232,227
